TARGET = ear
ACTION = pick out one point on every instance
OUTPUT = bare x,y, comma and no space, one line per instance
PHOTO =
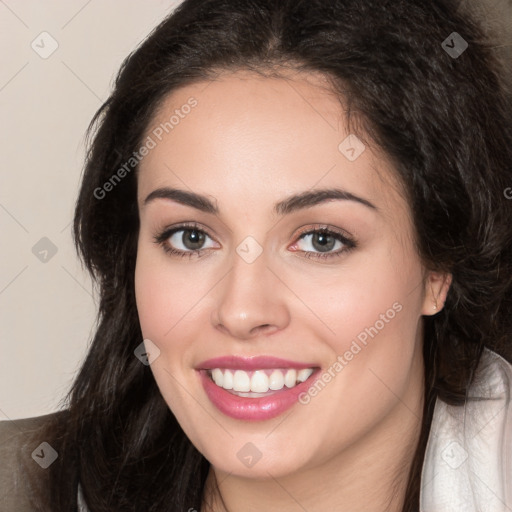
437,285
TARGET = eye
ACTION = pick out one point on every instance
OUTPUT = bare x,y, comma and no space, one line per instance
324,240
185,240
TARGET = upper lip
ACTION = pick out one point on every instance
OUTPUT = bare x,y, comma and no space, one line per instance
251,363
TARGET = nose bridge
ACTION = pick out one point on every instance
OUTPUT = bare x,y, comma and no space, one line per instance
249,301
249,272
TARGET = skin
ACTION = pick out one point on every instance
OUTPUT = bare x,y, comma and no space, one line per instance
250,142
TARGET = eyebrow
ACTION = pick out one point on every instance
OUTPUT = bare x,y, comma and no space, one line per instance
290,204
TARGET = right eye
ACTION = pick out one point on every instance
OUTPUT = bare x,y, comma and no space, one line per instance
185,240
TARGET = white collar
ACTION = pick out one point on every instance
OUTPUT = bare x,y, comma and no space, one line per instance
468,459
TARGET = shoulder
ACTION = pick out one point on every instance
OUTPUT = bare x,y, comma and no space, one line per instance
493,378
24,456
468,459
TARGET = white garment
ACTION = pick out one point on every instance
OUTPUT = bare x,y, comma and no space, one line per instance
468,459
82,507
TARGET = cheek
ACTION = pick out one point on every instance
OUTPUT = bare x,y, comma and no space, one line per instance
164,294
155,288
371,319
150,294
366,299
171,298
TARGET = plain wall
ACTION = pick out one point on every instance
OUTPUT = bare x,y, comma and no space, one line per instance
46,308
47,311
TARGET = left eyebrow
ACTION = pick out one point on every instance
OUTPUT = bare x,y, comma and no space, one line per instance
289,205
312,198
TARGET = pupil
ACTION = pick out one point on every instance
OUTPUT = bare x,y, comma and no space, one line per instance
194,238
323,240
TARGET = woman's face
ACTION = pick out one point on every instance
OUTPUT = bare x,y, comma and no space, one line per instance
256,277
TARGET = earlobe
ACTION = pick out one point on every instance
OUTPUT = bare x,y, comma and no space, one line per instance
436,290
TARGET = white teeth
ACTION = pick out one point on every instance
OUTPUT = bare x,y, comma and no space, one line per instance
218,377
303,375
259,381
228,380
241,381
290,379
276,380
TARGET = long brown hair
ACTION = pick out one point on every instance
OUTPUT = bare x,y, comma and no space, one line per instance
443,119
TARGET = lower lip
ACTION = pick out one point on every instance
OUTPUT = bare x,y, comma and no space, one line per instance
253,409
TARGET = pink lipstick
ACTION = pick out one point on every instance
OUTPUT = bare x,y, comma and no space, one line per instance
255,388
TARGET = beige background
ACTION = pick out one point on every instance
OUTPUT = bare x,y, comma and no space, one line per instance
47,310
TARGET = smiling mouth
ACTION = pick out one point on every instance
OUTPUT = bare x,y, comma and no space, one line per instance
258,383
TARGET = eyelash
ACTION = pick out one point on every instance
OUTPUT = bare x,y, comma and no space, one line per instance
162,238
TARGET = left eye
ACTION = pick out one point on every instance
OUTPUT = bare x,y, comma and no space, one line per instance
324,241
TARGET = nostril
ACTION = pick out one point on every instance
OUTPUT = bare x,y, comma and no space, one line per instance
262,328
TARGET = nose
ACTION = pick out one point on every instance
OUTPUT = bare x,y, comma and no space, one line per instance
251,302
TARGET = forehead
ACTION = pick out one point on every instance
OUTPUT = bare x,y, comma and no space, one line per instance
249,136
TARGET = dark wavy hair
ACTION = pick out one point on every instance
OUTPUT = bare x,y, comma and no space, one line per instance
443,121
